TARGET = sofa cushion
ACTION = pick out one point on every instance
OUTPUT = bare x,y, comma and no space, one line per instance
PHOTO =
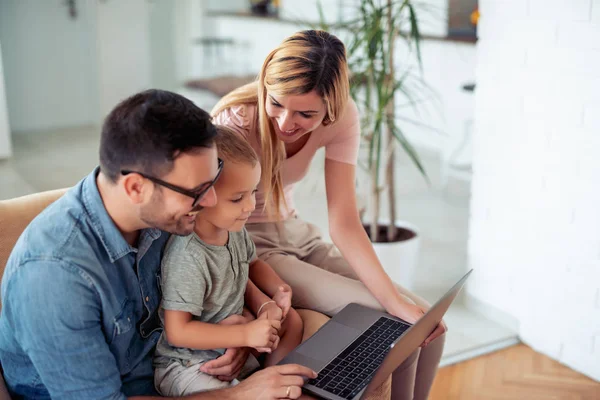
16,214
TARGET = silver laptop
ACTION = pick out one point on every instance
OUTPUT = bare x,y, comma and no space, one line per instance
360,347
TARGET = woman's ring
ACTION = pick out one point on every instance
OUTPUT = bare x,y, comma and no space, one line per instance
287,392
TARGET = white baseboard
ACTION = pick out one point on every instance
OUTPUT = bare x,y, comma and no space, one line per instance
490,312
478,351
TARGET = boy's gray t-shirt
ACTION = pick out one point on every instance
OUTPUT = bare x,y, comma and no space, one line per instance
205,280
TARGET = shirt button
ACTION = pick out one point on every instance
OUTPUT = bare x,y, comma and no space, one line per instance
147,298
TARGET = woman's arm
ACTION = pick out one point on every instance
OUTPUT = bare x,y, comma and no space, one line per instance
183,331
351,239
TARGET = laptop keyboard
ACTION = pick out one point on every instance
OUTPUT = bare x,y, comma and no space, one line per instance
354,367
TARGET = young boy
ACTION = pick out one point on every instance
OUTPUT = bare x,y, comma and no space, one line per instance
205,282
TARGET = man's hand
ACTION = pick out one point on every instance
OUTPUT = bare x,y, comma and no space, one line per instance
228,366
277,382
283,299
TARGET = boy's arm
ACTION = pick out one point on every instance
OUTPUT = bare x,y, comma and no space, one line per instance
264,277
182,331
255,299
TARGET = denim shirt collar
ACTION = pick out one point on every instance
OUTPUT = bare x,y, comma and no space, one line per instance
112,239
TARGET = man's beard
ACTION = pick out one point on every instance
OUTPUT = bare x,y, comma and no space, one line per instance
155,216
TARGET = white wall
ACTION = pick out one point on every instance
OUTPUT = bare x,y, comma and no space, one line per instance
48,64
190,23
161,40
534,229
123,48
70,72
5,142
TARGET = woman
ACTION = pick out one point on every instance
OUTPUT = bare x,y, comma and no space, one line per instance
300,103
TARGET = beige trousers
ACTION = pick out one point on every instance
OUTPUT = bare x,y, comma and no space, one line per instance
322,280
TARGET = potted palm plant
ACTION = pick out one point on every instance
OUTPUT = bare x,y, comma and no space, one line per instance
373,34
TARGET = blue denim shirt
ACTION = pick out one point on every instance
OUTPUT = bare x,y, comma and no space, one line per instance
79,304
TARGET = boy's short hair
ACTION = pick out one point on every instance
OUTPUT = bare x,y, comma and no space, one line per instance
232,147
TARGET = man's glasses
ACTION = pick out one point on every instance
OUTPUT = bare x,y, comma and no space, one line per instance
196,195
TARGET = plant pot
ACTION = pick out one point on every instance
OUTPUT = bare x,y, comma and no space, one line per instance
399,258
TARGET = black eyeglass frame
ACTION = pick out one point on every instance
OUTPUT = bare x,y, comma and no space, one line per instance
197,196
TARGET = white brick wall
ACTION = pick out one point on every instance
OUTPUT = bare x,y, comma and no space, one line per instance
535,213
596,11
565,10
580,35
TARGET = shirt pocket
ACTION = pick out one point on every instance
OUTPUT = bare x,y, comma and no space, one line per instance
123,331
124,321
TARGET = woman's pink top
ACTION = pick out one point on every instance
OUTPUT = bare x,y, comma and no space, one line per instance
340,139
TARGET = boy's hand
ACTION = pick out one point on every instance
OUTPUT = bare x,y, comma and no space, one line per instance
265,315
262,334
271,311
283,299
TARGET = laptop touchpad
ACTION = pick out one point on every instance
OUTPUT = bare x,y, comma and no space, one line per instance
329,341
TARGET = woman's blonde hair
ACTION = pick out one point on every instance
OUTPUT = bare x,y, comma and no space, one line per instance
306,61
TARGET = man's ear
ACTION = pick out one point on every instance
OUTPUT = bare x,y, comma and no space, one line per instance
136,187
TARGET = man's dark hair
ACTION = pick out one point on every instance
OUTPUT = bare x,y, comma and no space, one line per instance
148,130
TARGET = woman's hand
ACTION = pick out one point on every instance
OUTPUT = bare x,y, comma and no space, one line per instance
283,299
412,313
438,331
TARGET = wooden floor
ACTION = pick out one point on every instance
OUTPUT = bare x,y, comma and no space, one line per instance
514,373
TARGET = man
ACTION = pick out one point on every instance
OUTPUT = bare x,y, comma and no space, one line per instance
81,289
